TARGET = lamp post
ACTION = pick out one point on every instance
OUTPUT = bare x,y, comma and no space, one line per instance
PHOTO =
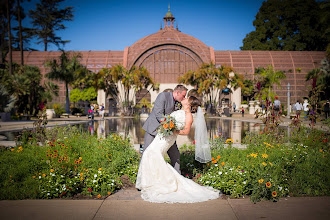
288,104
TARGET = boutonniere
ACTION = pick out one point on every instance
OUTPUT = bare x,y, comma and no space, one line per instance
177,105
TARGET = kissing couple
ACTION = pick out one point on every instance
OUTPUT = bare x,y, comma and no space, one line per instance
159,181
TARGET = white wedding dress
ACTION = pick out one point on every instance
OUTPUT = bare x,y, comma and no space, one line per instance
159,182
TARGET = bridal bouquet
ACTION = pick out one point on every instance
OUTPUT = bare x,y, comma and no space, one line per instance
167,126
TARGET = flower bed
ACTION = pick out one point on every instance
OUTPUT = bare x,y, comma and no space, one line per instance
271,167
69,163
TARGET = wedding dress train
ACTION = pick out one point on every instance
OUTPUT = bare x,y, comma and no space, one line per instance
159,182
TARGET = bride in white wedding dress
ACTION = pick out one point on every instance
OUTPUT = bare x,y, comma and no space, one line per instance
158,181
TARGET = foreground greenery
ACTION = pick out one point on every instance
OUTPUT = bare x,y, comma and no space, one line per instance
270,167
72,163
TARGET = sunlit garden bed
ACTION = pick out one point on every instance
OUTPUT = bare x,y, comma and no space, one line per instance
70,163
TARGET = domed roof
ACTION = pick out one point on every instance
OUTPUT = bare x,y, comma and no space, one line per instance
169,15
167,36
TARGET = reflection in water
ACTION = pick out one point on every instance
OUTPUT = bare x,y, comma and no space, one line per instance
132,128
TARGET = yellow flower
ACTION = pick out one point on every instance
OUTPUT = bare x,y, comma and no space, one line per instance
98,196
263,163
80,158
268,184
81,174
264,155
254,155
13,149
81,178
51,170
229,140
100,169
270,164
261,181
274,194
269,145
33,177
219,134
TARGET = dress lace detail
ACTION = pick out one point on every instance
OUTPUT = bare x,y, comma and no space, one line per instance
159,182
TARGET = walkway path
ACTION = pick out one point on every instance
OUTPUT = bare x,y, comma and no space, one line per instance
127,204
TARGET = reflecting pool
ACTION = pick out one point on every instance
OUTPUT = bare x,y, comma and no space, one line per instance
132,128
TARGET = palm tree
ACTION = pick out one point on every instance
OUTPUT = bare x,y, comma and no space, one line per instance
122,84
67,69
266,78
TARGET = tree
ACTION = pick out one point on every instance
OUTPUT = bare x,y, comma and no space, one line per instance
67,69
48,18
288,25
209,80
26,87
248,89
265,80
122,84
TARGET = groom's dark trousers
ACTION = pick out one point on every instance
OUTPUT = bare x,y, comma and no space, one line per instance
164,105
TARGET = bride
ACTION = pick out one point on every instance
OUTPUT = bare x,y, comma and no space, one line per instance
158,181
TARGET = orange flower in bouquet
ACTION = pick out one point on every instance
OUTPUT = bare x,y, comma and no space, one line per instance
167,126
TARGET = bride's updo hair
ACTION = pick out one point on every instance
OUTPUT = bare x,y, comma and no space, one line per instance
194,103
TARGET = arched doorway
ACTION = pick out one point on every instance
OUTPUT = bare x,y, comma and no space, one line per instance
112,107
143,100
166,63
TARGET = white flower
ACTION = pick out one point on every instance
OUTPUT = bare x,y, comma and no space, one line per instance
39,177
94,181
207,182
226,173
280,188
99,171
220,173
95,175
48,194
216,165
244,182
62,176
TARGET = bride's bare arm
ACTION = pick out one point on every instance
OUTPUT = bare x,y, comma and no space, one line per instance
189,120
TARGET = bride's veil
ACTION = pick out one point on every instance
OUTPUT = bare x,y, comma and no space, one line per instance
202,145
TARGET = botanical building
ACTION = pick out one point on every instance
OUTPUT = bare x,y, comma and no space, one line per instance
169,53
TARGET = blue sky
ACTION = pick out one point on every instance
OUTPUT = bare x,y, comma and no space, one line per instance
115,24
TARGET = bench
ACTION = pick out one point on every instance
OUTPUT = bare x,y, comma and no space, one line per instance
65,115
78,115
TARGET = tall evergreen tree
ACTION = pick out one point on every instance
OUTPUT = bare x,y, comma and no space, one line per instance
288,25
48,18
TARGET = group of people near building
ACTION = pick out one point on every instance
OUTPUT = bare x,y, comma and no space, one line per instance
94,108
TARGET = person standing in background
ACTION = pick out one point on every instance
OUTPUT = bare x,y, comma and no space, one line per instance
234,106
242,112
306,108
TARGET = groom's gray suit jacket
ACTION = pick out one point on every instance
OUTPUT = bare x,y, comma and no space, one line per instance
164,105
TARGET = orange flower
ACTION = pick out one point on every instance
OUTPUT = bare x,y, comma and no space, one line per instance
98,196
268,184
212,158
171,125
274,194
109,193
165,126
223,163
218,157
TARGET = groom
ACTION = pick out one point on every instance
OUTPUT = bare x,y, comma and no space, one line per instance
164,105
